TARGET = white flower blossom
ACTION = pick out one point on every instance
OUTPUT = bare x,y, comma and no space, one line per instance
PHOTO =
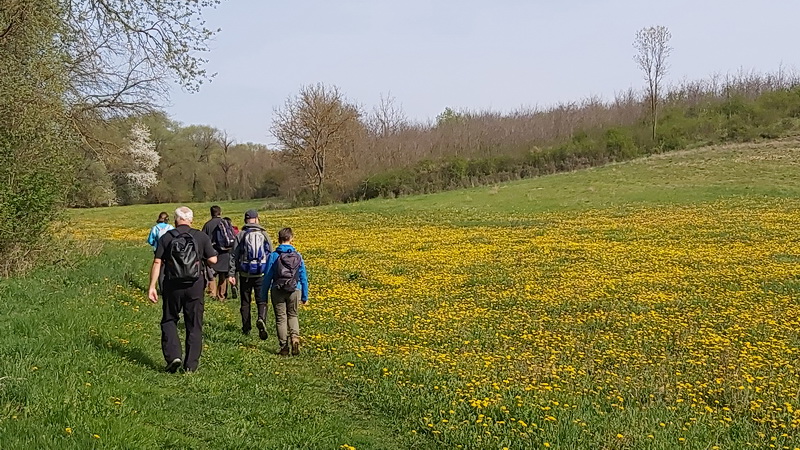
144,158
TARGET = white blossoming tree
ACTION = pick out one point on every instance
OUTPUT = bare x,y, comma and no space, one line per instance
141,162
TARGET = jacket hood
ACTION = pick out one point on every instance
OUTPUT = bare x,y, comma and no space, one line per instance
285,248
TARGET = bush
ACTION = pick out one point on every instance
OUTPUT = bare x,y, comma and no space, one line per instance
619,144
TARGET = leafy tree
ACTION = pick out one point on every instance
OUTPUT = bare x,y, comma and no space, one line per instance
448,116
35,134
67,68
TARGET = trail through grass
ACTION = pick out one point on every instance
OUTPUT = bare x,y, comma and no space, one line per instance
81,367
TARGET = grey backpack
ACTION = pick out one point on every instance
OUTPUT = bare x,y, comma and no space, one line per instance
254,253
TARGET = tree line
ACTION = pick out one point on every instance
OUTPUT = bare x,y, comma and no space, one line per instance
331,149
195,163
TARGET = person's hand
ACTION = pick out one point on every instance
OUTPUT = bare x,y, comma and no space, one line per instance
153,295
304,302
232,281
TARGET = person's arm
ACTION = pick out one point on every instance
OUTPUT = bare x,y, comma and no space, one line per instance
267,283
152,293
209,254
268,241
151,238
303,278
234,259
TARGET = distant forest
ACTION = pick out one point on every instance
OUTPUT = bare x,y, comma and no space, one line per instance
378,152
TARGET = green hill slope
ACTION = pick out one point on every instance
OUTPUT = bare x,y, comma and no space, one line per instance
769,169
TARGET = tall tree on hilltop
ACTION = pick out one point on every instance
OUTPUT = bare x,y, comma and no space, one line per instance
652,50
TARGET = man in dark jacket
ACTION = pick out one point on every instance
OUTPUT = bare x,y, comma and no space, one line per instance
184,295
250,263
218,287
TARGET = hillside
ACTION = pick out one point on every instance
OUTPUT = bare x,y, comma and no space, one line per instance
646,304
769,168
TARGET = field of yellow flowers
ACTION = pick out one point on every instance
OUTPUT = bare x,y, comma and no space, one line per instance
656,327
647,327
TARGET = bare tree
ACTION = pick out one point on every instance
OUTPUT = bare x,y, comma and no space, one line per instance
387,117
652,50
226,142
316,130
122,53
203,141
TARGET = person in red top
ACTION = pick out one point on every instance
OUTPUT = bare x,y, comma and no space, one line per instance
235,228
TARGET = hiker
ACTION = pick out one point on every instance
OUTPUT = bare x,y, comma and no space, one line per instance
159,229
222,237
162,226
233,292
182,251
230,222
286,281
249,260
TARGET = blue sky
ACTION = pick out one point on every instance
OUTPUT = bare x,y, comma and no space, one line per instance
495,54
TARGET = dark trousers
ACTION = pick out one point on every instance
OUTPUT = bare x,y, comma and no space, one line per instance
249,287
161,280
190,301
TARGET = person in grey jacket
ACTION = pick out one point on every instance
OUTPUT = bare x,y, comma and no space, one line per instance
249,260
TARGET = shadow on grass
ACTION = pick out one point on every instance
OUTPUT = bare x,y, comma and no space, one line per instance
127,352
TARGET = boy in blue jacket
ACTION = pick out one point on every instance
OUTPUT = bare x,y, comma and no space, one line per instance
286,280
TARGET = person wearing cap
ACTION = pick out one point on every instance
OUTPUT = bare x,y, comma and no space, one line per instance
249,260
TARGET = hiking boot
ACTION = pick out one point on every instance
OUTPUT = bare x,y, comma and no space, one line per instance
174,365
284,351
262,329
295,347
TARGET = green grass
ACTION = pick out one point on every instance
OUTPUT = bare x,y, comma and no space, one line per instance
79,345
73,342
768,169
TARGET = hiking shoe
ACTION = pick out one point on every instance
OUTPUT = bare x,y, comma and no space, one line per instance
295,347
174,365
284,351
262,329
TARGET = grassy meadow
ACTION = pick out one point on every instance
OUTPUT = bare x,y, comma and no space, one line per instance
650,304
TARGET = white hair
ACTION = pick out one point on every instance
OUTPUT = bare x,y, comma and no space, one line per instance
184,213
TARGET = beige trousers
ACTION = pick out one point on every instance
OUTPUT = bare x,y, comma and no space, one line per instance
287,326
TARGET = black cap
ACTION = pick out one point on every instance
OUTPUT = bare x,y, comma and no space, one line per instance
251,214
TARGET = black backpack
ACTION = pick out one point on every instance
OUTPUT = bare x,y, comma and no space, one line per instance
182,258
287,269
223,235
